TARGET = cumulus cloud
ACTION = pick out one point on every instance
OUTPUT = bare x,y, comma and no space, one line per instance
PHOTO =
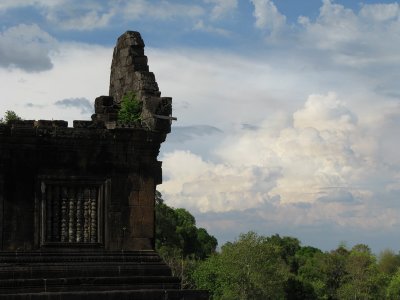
26,47
267,16
305,172
380,12
310,157
353,39
81,103
207,186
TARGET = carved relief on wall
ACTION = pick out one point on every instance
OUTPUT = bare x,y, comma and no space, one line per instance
72,212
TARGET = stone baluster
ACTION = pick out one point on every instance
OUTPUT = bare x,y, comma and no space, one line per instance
49,199
93,215
86,215
64,214
72,216
79,216
56,214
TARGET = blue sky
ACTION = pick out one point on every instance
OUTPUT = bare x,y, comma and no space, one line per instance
288,111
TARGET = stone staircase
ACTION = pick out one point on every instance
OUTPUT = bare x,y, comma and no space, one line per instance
89,275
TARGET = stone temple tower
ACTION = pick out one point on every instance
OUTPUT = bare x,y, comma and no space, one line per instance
77,203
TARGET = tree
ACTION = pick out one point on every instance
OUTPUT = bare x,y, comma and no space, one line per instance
393,289
388,262
249,268
363,279
312,269
288,246
176,233
334,269
179,242
10,116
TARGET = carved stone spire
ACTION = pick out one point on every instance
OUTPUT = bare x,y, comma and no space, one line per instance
129,69
130,74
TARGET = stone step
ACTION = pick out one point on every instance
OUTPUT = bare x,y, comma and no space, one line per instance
149,294
65,257
38,285
78,269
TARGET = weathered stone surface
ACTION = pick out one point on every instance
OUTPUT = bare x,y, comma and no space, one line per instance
130,73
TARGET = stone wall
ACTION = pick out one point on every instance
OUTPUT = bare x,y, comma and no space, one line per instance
121,161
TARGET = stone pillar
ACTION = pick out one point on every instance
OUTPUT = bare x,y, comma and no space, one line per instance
140,232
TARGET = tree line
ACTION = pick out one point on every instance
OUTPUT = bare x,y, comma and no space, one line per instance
271,267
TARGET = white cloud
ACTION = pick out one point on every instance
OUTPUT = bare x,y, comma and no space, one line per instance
268,17
361,39
380,12
325,150
164,10
206,186
10,4
86,20
222,7
295,163
79,71
69,15
324,113
303,172
26,47
210,29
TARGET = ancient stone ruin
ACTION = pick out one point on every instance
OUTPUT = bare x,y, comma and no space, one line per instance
77,203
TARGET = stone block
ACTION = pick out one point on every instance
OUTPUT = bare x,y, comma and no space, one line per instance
82,124
22,123
102,102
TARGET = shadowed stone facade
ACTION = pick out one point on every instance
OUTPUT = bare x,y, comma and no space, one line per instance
77,203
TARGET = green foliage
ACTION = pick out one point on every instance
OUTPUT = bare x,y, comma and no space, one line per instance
131,109
362,279
10,116
312,270
275,267
179,242
182,267
177,234
393,289
288,248
334,270
388,262
249,268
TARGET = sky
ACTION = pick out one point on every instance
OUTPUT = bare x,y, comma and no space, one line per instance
288,111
